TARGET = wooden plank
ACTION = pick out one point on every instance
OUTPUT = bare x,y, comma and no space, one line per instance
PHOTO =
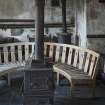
96,36
26,52
0,57
63,55
69,56
12,54
33,48
57,53
87,63
91,69
20,53
5,50
51,51
28,23
33,51
95,67
81,59
75,58
45,49
16,44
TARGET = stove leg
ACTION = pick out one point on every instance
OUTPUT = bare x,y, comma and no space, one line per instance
51,101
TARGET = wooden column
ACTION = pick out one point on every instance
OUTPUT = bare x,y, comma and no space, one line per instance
64,15
39,22
81,6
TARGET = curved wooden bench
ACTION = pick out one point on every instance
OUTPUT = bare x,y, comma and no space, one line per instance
76,64
13,57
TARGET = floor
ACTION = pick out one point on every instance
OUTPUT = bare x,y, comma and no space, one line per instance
62,97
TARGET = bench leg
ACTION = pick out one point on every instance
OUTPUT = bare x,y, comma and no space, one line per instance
9,79
58,79
93,88
71,90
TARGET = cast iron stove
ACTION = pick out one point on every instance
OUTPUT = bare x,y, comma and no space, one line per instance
38,84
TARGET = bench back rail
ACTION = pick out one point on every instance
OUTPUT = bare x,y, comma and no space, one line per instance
15,52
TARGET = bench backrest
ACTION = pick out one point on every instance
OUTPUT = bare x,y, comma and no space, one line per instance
15,52
80,58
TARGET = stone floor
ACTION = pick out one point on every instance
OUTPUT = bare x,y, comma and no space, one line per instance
62,97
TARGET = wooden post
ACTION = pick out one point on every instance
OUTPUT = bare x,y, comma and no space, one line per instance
81,6
64,15
39,38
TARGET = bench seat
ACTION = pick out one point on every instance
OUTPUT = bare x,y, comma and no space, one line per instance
6,68
71,73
